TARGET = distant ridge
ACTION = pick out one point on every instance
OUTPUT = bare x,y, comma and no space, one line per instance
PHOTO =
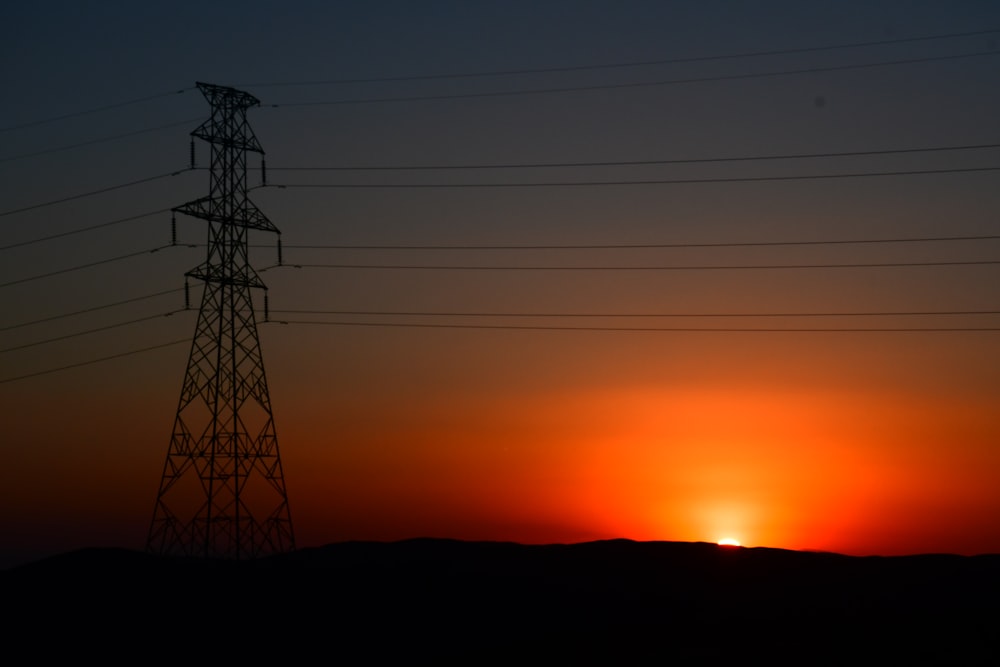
439,597
444,547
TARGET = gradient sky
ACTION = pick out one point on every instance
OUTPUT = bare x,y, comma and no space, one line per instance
857,442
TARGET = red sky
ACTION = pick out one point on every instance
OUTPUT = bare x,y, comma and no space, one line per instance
857,455
844,466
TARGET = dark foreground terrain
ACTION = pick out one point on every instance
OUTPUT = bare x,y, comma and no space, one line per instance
612,602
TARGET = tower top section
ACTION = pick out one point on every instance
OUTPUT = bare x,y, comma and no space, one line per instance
228,125
226,96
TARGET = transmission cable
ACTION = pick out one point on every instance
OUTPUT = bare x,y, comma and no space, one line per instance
82,195
106,107
77,334
642,246
514,327
669,181
662,267
636,84
82,230
403,313
91,310
624,163
102,140
80,267
94,361
641,63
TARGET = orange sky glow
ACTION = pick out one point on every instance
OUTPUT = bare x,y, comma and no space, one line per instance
825,469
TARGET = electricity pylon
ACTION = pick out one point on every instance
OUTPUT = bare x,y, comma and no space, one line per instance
222,493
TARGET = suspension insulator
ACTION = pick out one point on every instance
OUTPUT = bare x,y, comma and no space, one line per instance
192,153
267,310
279,251
187,296
173,228
263,171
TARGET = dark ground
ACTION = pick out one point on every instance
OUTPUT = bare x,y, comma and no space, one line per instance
471,602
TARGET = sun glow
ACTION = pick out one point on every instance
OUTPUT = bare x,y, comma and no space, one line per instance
729,542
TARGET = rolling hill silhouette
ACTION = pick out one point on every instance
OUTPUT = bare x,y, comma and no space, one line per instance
426,599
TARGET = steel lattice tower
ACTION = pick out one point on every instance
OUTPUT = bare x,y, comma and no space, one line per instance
222,494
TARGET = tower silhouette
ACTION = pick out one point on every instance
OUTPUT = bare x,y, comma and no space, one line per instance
222,493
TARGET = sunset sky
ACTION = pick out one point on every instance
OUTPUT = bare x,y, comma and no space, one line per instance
660,351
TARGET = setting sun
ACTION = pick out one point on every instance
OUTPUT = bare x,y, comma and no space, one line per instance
729,542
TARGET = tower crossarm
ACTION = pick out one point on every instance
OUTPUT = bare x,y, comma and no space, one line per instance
213,209
221,275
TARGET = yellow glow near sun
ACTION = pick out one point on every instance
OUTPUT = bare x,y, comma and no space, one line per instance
729,542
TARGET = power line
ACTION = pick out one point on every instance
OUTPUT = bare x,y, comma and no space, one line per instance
640,246
528,328
86,112
77,334
878,313
82,195
678,267
641,63
636,84
82,230
669,181
623,163
385,313
634,246
514,327
102,140
94,361
91,310
491,73
86,266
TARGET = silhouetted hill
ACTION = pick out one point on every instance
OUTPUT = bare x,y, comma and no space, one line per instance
432,599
